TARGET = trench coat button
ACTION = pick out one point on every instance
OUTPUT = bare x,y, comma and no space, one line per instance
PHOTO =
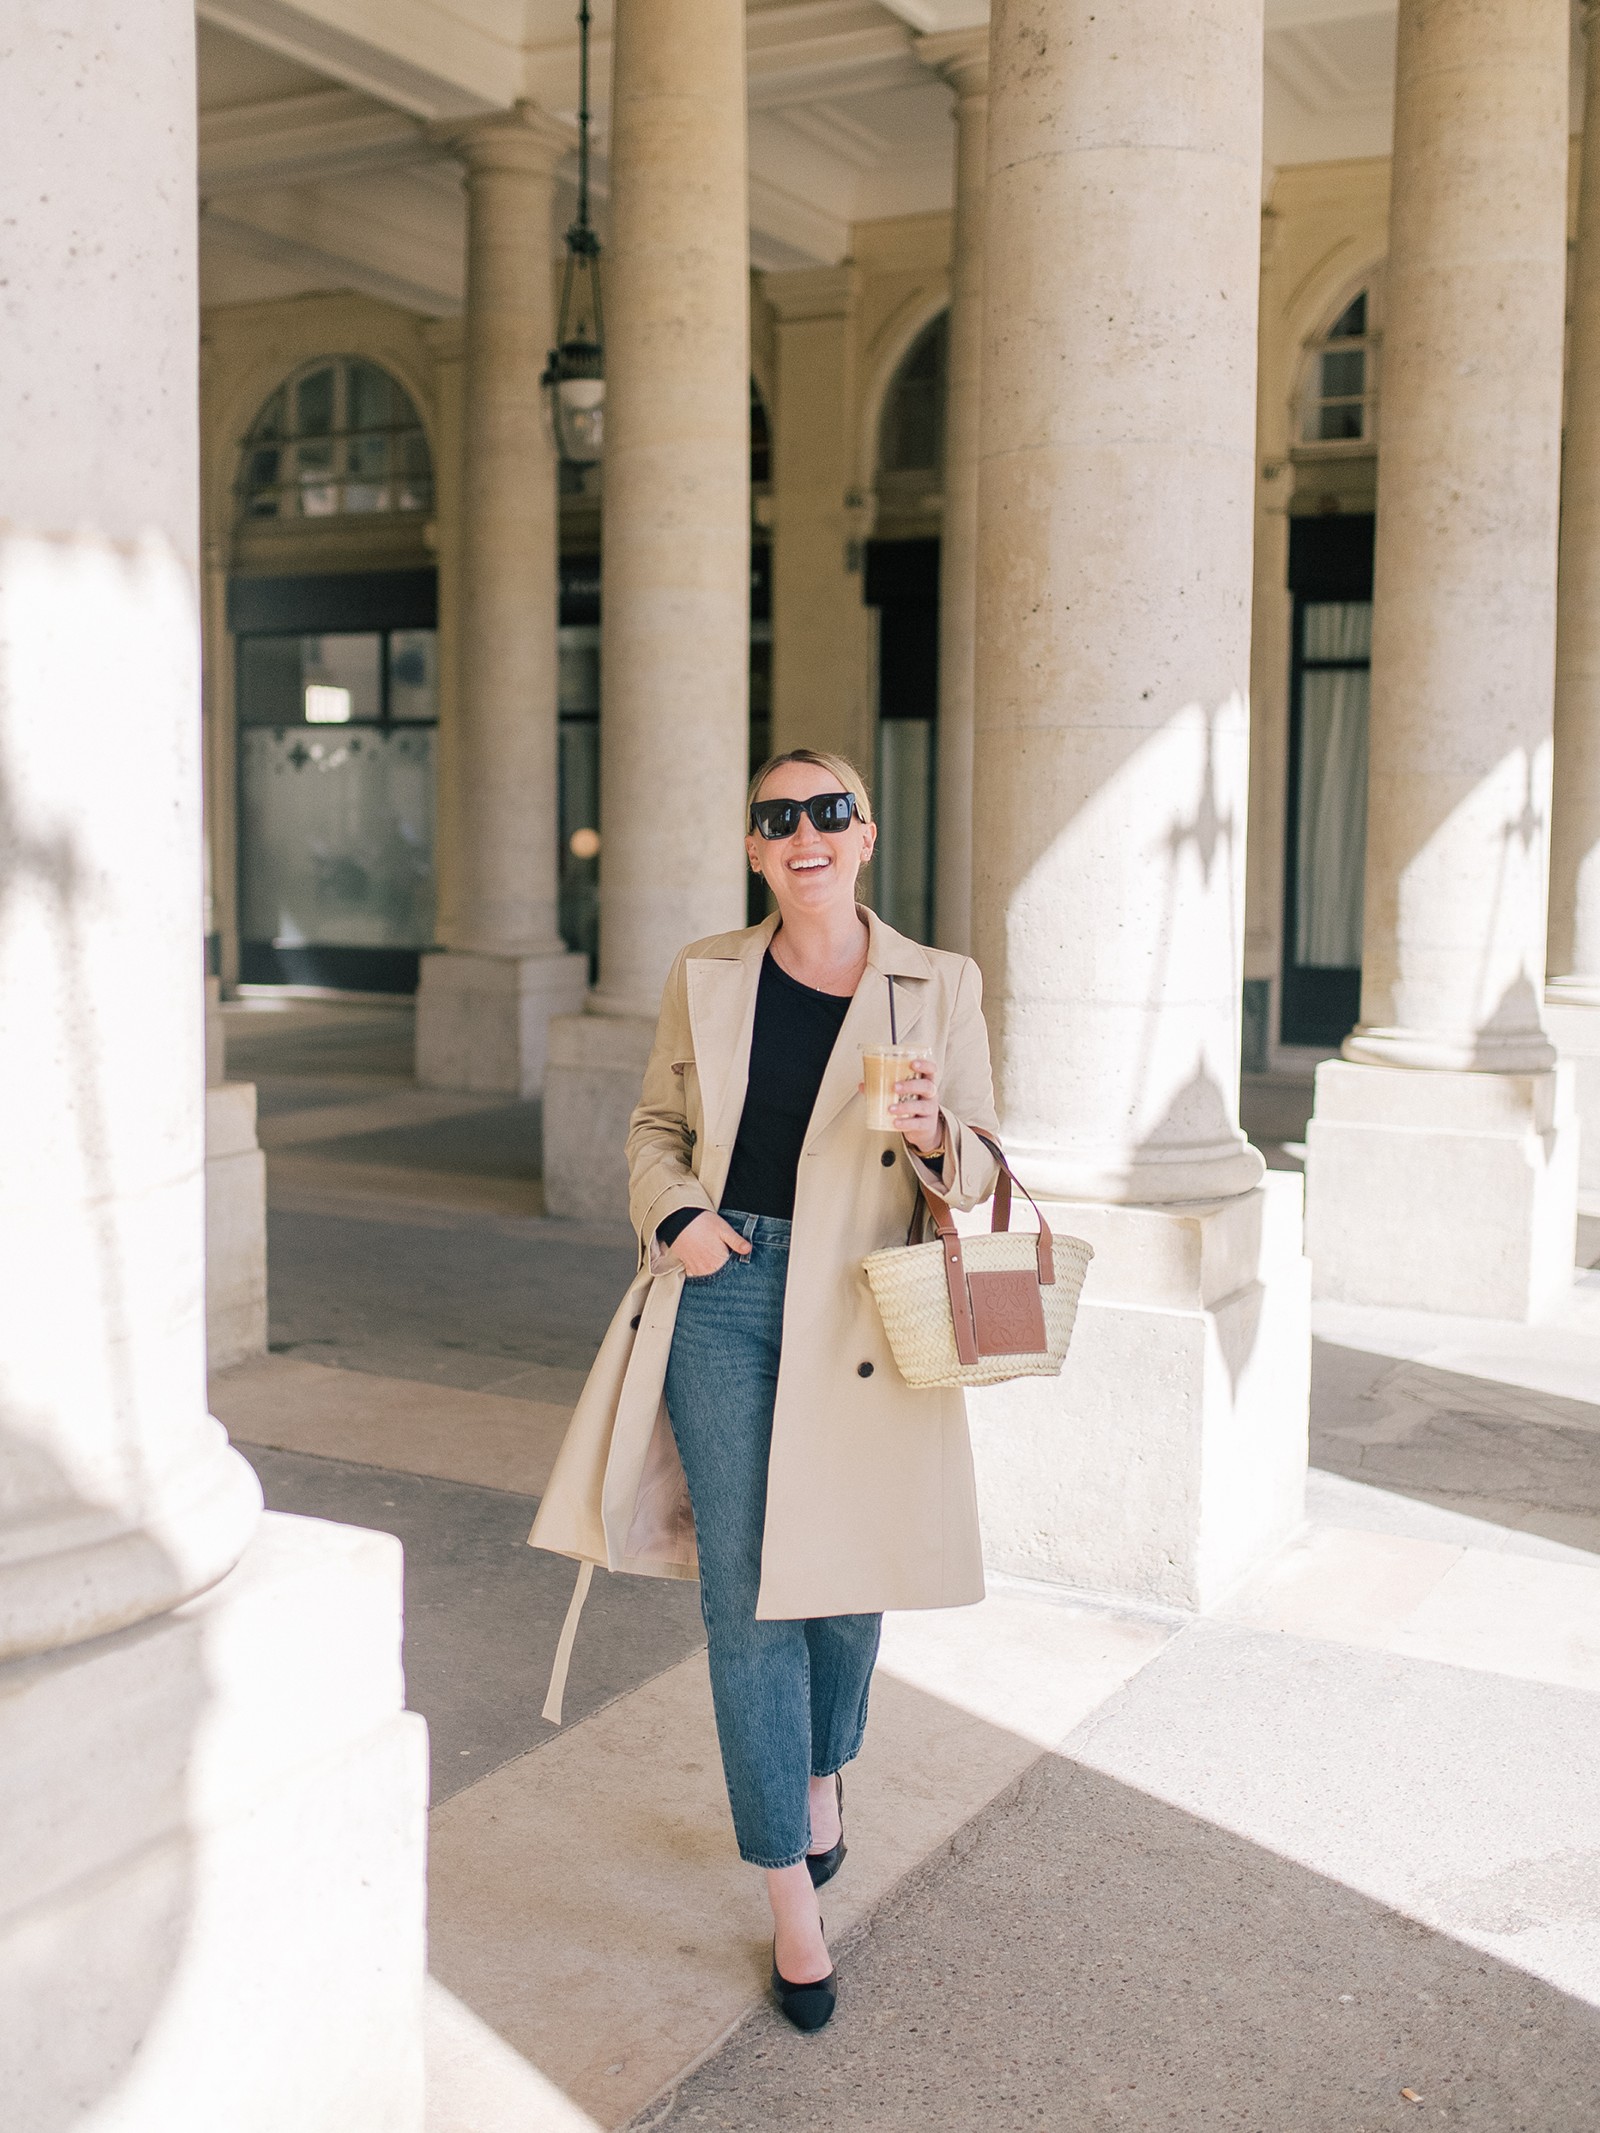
693,1138
633,1322
887,1159
863,1370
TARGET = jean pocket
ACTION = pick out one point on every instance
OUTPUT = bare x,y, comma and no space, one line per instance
701,1281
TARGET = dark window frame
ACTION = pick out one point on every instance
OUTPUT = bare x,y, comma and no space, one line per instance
1330,559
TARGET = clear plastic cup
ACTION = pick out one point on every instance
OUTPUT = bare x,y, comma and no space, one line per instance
882,1066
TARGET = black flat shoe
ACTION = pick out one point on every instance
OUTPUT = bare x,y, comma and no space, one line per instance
808,2007
822,1866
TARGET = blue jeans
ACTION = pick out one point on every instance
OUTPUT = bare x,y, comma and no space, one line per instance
790,1697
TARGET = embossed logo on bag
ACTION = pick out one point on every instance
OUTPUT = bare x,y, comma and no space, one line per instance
1007,1313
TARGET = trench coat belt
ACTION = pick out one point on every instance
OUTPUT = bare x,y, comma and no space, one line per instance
568,1637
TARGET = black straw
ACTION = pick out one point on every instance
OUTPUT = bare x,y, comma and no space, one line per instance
894,1035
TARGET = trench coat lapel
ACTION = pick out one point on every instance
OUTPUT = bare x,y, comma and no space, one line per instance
889,955
722,1014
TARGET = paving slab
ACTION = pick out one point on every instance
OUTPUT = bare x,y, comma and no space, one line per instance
346,1112
495,1440
1337,1500
1267,1888
1558,1354
283,1035
588,1903
1481,1440
281,1096
460,1301
293,1177
1502,1612
1418,1784
429,1132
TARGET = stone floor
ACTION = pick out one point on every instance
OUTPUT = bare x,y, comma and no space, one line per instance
1328,1860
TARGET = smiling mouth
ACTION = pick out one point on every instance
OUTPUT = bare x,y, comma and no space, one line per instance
810,866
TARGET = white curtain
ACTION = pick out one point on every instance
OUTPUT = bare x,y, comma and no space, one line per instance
1333,786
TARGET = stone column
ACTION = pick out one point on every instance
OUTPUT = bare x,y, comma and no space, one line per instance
962,57
484,1007
821,630
1115,515
675,564
1572,997
1442,1165
211,1843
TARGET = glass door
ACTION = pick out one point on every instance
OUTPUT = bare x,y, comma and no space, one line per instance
336,804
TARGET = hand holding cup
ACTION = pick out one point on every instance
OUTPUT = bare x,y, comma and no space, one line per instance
903,1097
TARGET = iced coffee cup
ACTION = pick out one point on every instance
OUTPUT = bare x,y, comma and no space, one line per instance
882,1066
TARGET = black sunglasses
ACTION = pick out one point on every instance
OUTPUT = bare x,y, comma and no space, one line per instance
829,812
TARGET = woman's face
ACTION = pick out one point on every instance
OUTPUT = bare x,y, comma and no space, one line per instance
814,869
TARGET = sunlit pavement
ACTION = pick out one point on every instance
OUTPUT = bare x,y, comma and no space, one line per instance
1274,1869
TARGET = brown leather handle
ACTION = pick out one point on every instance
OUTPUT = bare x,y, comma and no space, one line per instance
955,1272
1002,1210
1001,1220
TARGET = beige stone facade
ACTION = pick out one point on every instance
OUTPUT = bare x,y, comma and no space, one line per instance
826,345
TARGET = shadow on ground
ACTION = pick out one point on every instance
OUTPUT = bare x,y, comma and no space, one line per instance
1093,1959
453,1303
483,1610
1517,1458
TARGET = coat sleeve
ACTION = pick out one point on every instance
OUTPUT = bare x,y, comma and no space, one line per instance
660,1151
966,1101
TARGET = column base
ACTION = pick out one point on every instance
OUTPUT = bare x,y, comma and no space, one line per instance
1574,1026
596,1071
483,1021
212,1856
1170,1455
236,1227
1448,1192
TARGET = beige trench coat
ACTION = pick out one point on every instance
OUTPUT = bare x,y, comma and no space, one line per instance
870,1499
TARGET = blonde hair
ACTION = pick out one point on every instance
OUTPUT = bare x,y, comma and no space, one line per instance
839,766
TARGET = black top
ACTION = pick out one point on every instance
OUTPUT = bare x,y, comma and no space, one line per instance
790,1046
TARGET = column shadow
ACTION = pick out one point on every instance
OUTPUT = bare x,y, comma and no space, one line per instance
1098,1961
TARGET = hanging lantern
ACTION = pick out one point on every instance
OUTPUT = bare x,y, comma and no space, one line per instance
575,376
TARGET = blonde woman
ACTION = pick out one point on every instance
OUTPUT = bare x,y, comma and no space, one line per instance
823,1489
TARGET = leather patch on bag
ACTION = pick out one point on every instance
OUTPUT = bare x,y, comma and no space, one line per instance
1007,1313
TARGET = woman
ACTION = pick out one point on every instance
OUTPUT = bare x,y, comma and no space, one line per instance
822,1488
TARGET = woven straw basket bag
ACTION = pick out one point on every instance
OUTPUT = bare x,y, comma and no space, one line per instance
979,1310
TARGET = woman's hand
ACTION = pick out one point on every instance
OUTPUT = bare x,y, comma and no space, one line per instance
915,1109
702,1246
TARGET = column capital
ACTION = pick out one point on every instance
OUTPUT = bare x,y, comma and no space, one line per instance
812,292
962,57
524,138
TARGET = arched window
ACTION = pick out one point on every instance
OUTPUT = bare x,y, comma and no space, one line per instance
339,437
1341,392
911,433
